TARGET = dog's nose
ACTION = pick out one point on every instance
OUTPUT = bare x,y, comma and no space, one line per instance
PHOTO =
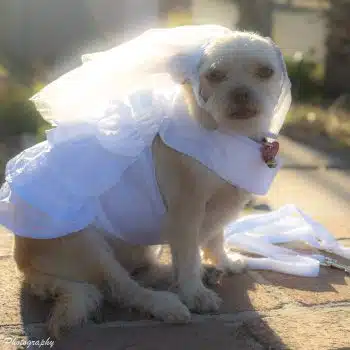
241,96
243,104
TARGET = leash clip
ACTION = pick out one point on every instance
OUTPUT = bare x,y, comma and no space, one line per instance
332,263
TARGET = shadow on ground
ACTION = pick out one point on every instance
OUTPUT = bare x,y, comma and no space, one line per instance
118,328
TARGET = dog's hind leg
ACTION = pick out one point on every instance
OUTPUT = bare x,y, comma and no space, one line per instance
74,301
71,269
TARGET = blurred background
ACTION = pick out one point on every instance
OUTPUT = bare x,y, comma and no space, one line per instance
41,39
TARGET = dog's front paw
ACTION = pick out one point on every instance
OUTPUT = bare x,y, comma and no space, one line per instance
232,263
200,299
167,307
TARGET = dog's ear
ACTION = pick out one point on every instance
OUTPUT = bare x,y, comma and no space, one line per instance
181,67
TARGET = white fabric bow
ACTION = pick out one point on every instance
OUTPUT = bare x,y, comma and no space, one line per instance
257,234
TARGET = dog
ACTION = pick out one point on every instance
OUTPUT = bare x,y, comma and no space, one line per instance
239,76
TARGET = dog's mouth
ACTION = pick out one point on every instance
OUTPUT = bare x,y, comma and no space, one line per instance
243,113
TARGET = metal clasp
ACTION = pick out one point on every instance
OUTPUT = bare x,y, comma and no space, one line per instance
332,263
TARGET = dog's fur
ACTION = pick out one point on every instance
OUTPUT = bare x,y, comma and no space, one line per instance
82,268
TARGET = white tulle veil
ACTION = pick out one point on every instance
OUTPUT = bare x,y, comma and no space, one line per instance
80,94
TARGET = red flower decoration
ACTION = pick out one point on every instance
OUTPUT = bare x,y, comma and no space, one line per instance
269,151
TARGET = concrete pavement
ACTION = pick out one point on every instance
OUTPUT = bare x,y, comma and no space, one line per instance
261,310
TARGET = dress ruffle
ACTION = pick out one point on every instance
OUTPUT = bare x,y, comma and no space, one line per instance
57,183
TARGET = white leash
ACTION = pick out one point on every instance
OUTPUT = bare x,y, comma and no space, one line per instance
257,234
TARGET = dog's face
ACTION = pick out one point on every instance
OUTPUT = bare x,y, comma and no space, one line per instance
240,83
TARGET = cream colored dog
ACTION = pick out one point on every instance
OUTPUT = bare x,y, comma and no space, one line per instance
239,77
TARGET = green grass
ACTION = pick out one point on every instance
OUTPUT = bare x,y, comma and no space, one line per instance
311,121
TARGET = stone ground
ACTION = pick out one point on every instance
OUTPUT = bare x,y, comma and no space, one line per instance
261,310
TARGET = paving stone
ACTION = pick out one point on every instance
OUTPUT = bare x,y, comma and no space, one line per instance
10,293
243,293
309,328
330,286
14,337
6,241
206,336
16,304
306,328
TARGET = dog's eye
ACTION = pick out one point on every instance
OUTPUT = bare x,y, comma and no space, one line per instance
264,72
215,75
